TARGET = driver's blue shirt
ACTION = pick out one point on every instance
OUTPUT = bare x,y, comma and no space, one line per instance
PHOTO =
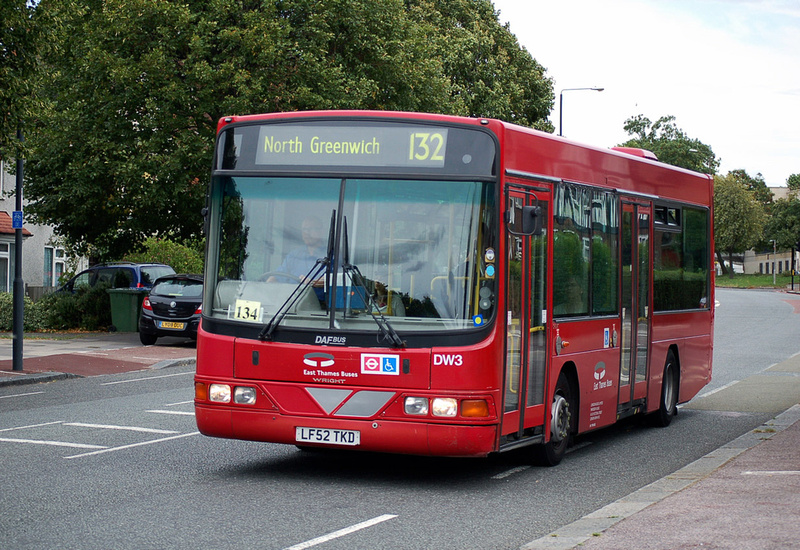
299,262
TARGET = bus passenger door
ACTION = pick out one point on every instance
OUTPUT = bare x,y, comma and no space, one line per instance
636,268
526,316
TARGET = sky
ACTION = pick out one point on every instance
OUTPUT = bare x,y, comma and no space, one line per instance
727,70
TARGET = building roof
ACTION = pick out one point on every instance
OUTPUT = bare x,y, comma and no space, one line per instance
5,225
782,192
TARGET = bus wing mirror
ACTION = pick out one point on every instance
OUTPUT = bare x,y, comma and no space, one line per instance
532,220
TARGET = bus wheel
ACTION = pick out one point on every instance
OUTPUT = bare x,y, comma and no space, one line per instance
561,425
669,395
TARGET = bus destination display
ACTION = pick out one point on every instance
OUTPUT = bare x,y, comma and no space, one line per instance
295,145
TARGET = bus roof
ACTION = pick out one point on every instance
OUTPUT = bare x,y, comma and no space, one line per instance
528,150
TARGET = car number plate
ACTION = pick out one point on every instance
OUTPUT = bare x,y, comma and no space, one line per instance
171,324
326,435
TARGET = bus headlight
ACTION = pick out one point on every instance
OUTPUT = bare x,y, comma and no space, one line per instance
244,395
416,405
219,393
444,406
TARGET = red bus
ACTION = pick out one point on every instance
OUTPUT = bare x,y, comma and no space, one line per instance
437,285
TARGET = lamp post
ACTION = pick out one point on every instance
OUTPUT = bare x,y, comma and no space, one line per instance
561,104
774,254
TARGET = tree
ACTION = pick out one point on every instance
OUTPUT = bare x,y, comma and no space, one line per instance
670,144
783,223
18,56
793,182
490,74
755,184
738,218
124,136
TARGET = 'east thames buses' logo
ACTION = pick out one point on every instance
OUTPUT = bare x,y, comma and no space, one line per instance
599,375
318,360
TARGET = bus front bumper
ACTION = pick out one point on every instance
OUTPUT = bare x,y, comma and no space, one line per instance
388,436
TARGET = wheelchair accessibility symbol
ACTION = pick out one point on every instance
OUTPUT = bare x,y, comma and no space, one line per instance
375,363
389,365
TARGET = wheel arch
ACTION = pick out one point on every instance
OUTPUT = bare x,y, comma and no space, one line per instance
570,370
676,372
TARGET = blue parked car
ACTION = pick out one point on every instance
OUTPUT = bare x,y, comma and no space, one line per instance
118,275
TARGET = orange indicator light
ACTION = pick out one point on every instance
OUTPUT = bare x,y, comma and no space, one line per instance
475,408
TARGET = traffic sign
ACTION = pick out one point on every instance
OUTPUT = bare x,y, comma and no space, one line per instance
16,219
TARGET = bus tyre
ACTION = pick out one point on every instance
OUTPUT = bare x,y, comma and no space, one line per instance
563,411
669,395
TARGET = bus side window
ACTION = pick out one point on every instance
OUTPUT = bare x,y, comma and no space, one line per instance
571,248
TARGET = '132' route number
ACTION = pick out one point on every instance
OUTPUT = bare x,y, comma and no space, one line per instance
426,146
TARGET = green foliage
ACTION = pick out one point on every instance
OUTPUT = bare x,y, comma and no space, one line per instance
60,311
738,217
182,258
756,185
490,74
94,305
670,144
87,309
757,280
132,90
793,182
18,59
31,316
783,223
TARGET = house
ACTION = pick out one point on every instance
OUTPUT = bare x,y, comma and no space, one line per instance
43,260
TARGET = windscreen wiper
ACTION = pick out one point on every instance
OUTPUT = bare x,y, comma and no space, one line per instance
312,275
352,271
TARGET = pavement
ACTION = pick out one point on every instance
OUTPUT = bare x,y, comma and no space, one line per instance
744,495
56,356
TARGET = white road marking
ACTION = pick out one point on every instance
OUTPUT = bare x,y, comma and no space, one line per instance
32,426
21,394
180,413
179,403
342,532
112,449
128,428
147,378
53,443
712,392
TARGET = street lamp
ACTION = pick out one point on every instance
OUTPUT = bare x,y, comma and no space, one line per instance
774,254
561,104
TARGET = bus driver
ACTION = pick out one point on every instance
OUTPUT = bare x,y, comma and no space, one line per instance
300,261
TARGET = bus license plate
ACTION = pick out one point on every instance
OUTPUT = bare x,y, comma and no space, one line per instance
171,324
329,436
